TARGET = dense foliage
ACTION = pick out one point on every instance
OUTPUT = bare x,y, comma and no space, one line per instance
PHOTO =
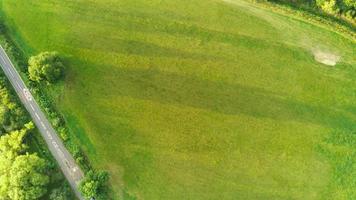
343,8
27,177
47,66
22,175
61,193
340,7
12,116
94,185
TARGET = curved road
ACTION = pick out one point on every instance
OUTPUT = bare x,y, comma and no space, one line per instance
65,160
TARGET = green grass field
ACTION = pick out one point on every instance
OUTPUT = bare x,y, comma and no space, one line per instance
201,99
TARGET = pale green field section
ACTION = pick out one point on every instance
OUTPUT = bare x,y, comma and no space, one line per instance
201,100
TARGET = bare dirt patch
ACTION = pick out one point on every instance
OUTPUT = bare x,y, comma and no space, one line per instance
326,58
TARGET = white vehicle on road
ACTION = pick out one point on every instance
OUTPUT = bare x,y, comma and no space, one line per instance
27,94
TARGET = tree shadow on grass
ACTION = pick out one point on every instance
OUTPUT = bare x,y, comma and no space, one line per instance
139,48
221,97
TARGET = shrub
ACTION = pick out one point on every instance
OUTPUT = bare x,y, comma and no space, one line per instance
56,122
63,134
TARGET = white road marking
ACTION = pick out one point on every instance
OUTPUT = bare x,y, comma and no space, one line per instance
11,73
75,169
7,69
55,144
49,135
18,85
32,107
38,117
27,94
61,154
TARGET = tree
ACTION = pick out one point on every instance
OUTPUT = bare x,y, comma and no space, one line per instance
11,145
47,66
27,177
90,188
328,6
62,193
22,176
12,116
94,185
4,116
350,3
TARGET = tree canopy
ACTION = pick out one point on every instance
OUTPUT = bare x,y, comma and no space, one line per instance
46,66
93,185
27,178
12,116
22,175
61,193
344,8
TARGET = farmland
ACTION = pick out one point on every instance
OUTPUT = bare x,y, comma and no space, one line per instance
192,100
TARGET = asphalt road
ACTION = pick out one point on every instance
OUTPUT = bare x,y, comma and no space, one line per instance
65,160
